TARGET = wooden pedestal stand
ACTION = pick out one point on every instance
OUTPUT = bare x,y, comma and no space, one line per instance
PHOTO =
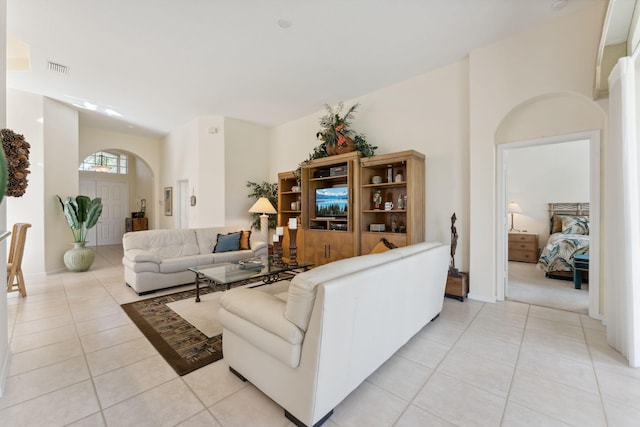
457,286
277,253
293,249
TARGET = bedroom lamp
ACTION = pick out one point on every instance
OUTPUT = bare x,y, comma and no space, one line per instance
512,208
263,206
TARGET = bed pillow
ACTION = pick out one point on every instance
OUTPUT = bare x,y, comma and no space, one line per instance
556,223
227,242
245,240
575,225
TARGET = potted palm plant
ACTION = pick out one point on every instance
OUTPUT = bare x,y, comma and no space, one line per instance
82,214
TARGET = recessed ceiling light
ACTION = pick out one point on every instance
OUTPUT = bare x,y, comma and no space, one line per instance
559,4
284,23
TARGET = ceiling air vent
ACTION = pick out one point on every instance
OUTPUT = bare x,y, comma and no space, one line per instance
58,68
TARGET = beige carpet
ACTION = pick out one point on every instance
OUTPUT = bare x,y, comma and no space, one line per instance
203,315
529,285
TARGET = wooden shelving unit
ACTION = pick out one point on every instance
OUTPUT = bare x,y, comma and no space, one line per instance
404,222
325,238
331,237
290,206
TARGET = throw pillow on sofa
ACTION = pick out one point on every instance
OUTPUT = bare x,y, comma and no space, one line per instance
382,246
245,240
227,242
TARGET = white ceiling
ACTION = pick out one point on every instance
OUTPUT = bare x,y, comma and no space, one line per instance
160,63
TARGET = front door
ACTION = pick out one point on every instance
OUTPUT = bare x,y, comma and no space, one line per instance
115,200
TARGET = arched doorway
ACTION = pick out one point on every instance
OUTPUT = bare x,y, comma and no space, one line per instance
544,120
125,184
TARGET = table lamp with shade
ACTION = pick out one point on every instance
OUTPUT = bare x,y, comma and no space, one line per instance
264,207
512,208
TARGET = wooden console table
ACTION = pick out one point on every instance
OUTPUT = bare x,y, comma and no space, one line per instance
136,224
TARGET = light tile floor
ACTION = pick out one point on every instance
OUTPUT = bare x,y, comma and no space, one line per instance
78,360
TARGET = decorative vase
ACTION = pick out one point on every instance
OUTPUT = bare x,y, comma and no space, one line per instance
79,258
346,146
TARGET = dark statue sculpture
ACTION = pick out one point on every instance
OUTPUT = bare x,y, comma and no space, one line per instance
453,271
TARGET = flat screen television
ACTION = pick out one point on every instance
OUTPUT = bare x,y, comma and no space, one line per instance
332,202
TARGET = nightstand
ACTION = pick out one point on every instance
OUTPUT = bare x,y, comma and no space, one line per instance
523,247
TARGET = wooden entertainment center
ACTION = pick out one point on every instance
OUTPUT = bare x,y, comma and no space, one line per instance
357,220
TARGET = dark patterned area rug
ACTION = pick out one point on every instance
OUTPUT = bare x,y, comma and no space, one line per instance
183,346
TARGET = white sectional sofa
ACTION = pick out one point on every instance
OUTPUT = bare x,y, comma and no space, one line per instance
307,344
157,259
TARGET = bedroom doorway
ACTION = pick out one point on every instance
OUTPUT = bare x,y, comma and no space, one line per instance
533,190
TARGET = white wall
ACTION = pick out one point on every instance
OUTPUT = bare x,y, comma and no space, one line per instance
217,155
211,178
60,178
246,159
4,339
428,113
177,161
25,116
546,174
195,152
51,128
556,58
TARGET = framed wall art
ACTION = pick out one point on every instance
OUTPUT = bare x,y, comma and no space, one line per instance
168,201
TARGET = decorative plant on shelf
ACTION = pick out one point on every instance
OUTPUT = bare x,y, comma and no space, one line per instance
335,128
268,190
337,136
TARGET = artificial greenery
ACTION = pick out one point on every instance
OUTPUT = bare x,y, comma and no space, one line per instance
268,190
336,131
363,146
335,128
82,214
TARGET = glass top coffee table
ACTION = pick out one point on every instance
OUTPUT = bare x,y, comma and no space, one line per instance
229,273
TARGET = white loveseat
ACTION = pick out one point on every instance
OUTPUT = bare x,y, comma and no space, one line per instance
157,259
307,344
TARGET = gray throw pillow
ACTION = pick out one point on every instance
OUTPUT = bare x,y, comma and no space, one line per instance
227,242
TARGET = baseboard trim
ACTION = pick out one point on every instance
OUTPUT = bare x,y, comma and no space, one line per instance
481,298
35,276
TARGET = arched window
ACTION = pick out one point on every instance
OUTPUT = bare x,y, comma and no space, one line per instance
104,162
